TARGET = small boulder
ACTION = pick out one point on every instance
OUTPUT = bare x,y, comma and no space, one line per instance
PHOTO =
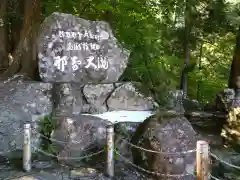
167,133
127,97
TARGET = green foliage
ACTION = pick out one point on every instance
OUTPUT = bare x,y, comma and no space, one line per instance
154,32
46,127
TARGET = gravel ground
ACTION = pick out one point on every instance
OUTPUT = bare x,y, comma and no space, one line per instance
47,170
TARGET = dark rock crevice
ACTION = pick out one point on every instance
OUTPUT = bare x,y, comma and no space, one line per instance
109,95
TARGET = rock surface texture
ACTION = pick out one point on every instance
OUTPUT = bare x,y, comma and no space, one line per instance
81,135
71,49
22,102
167,135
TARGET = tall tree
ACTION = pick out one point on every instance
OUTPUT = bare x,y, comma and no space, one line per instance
24,55
235,63
187,22
3,34
15,18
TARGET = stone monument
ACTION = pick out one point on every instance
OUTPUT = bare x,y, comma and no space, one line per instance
83,60
72,49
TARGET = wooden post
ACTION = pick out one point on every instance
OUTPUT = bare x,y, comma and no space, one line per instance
110,151
202,160
27,148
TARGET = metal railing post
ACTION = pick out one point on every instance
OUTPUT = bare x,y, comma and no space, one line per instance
27,148
202,160
110,151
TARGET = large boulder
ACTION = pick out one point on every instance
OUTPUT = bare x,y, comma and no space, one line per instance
22,102
224,100
72,98
127,97
72,49
77,136
167,133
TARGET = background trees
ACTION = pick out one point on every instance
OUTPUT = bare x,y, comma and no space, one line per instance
163,35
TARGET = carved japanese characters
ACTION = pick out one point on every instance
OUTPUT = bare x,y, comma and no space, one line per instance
72,49
61,62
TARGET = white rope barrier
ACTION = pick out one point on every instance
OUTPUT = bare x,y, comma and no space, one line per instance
135,146
213,177
52,140
224,162
159,152
61,142
150,172
129,162
68,158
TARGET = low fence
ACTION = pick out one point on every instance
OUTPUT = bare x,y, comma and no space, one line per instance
203,155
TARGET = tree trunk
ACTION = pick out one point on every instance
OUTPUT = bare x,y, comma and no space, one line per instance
3,35
16,11
32,14
199,68
24,55
184,75
235,63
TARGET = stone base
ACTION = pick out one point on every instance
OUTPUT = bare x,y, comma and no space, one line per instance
94,99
